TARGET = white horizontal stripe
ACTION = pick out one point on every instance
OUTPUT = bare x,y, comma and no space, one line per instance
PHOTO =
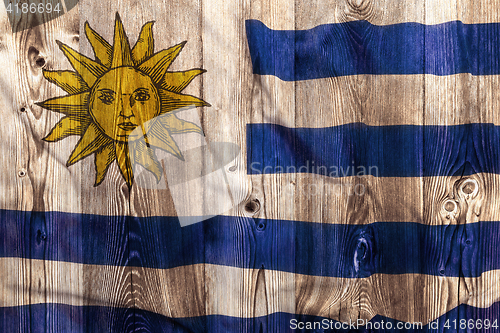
377,100
200,290
368,199
352,200
309,14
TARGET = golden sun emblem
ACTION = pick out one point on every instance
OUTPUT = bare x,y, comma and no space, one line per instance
121,103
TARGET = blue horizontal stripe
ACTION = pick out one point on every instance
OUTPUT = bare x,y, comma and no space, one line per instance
57,318
381,151
336,250
359,47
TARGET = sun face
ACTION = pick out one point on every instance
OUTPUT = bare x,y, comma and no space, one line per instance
123,99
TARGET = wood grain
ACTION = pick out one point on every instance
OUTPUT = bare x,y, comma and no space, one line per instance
32,166
269,101
34,175
464,94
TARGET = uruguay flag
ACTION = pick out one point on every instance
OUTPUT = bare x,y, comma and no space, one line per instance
368,164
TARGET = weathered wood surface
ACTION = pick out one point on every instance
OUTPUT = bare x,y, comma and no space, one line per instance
34,175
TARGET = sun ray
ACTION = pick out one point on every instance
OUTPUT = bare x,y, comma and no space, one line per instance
178,126
144,47
70,105
177,81
88,69
90,142
172,101
70,82
123,159
146,157
68,126
102,49
122,56
157,65
163,140
103,159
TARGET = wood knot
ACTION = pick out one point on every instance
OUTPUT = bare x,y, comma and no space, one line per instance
261,225
469,188
362,8
41,236
363,252
252,206
450,206
450,209
40,62
471,195
21,173
125,190
356,3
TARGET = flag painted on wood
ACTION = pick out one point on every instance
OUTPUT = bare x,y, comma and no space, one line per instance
367,158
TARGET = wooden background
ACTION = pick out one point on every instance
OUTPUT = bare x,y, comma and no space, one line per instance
34,175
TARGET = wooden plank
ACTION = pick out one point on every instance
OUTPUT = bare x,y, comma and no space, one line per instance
113,197
463,95
267,99
356,106
434,106
33,168
47,164
17,190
